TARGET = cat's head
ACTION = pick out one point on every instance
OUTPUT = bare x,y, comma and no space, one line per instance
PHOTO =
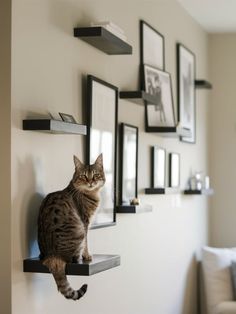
89,177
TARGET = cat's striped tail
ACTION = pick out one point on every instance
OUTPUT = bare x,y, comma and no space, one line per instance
57,267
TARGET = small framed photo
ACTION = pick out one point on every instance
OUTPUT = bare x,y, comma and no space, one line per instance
152,46
186,91
128,163
67,117
158,167
174,170
158,83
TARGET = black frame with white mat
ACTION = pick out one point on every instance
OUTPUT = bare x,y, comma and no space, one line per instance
102,114
128,172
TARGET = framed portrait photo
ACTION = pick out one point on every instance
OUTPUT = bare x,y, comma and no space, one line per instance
152,46
102,106
161,114
128,163
174,170
186,91
158,167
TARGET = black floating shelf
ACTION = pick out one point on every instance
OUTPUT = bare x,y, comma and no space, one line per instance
133,209
174,131
98,264
162,190
203,84
199,192
103,40
139,97
54,126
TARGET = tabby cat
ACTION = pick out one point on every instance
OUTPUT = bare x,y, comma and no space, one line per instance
63,223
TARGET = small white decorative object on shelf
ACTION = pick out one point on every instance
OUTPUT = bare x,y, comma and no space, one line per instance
111,24
111,27
195,182
198,181
135,201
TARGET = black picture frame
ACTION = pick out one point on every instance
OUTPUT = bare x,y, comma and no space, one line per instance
174,170
128,187
67,117
152,46
159,84
186,96
158,163
102,115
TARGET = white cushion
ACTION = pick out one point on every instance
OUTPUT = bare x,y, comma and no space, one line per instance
217,277
226,308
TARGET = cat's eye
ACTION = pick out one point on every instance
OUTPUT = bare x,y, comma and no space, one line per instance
82,176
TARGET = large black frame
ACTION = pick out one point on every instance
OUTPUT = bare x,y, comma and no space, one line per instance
121,172
90,102
180,50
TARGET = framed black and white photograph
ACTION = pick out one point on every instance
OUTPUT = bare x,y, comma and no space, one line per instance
174,170
186,91
159,84
158,167
152,46
67,117
128,163
102,106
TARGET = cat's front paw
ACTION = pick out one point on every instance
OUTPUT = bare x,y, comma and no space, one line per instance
87,257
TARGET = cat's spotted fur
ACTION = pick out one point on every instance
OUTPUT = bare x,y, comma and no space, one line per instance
63,222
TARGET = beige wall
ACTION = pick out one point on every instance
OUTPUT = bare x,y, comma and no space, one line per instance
223,136
5,156
159,249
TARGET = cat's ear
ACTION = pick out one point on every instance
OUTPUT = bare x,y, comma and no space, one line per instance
78,163
99,161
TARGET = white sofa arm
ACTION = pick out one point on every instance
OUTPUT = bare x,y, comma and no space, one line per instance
216,264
